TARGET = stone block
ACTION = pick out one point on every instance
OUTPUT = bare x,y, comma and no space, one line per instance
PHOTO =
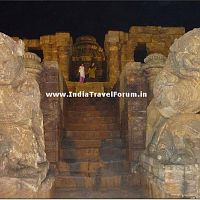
92,154
52,155
141,37
62,39
169,181
47,39
155,47
74,182
110,181
172,30
34,43
145,29
112,37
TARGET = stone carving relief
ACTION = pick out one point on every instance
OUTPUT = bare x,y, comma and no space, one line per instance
173,125
22,146
154,63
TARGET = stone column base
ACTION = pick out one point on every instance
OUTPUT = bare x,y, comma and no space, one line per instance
169,181
21,187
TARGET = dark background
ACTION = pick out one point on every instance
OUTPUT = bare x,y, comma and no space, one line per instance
33,19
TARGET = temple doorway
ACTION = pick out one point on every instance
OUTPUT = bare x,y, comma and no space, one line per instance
87,51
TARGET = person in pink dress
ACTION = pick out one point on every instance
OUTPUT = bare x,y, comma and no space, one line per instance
82,73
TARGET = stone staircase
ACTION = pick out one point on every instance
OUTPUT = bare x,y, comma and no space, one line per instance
92,152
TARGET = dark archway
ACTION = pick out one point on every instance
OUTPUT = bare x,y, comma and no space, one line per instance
37,51
140,52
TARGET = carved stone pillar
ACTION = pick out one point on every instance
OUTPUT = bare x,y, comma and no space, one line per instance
126,54
48,78
64,45
133,110
153,65
112,50
51,107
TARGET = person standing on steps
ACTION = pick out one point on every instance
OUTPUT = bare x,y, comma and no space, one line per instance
92,72
81,73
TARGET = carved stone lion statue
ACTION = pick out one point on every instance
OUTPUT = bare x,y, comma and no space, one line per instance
21,123
173,122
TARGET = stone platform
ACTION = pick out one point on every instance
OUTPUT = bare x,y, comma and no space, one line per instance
86,87
169,181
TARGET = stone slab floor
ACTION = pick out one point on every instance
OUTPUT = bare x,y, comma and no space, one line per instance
135,192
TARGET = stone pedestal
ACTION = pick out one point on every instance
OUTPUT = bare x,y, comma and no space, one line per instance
169,181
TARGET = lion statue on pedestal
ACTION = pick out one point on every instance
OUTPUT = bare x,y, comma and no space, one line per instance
173,122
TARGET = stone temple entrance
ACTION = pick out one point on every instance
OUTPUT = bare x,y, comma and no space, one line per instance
95,145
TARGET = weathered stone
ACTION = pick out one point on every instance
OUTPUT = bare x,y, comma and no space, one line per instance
144,29
32,63
172,30
141,37
132,110
169,181
50,82
22,152
173,130
174,94
153,65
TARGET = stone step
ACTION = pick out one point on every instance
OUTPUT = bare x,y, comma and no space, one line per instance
89,101
94,113
70,143
111,153
87,120
79,182
95,126
93,154
93,168
91,135
72,107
